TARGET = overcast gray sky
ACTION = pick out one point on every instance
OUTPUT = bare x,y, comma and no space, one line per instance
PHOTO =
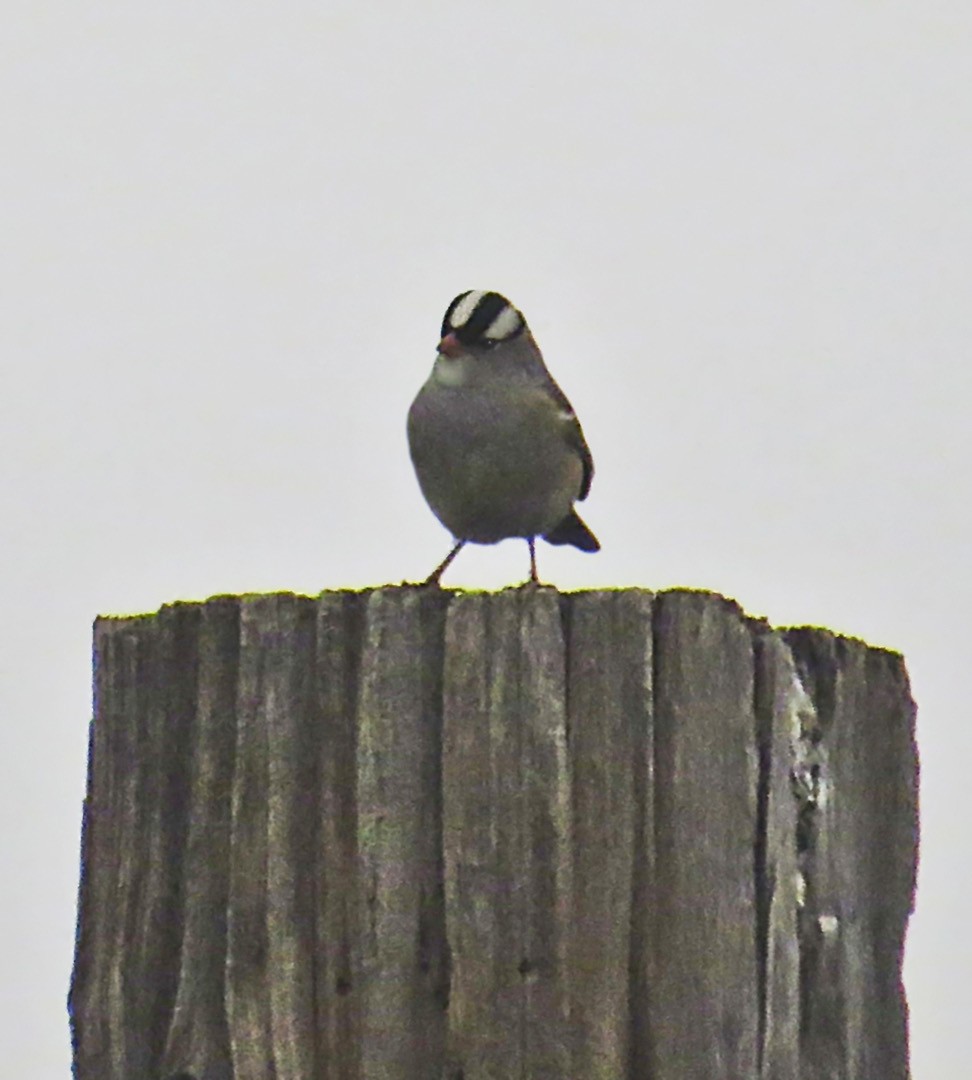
741,235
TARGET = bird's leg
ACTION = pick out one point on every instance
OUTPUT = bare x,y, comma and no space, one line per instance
433,578
532,541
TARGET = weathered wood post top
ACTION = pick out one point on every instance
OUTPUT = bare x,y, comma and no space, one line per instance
410,833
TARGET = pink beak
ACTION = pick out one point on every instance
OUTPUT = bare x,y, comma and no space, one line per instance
449,346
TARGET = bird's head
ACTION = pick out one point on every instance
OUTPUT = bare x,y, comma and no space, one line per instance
477,321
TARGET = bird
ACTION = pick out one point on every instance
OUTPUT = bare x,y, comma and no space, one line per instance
497,448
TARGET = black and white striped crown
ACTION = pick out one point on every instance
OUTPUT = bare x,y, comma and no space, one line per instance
482,318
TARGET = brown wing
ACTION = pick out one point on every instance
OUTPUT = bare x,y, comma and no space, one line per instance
574,435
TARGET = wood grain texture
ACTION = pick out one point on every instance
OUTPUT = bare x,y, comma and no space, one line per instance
783,709
199,1032
610,754
402,964
506,831
405,834
859,858
706,1002
338,911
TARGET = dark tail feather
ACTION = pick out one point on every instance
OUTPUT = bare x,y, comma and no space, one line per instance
573,531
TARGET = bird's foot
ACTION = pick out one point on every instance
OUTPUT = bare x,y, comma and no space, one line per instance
432,581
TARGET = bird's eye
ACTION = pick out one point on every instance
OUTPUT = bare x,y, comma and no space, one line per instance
488,343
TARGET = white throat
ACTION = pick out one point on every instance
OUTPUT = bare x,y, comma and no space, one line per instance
451,370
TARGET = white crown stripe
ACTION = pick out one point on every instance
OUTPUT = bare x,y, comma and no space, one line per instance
506,323
466,306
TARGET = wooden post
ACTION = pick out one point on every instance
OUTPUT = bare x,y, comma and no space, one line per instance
408,834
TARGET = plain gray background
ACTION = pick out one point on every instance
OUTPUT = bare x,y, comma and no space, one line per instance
741,235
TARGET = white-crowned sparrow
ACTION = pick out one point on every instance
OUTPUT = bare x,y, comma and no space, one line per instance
496,446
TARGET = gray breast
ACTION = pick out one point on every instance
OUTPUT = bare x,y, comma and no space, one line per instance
490,464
